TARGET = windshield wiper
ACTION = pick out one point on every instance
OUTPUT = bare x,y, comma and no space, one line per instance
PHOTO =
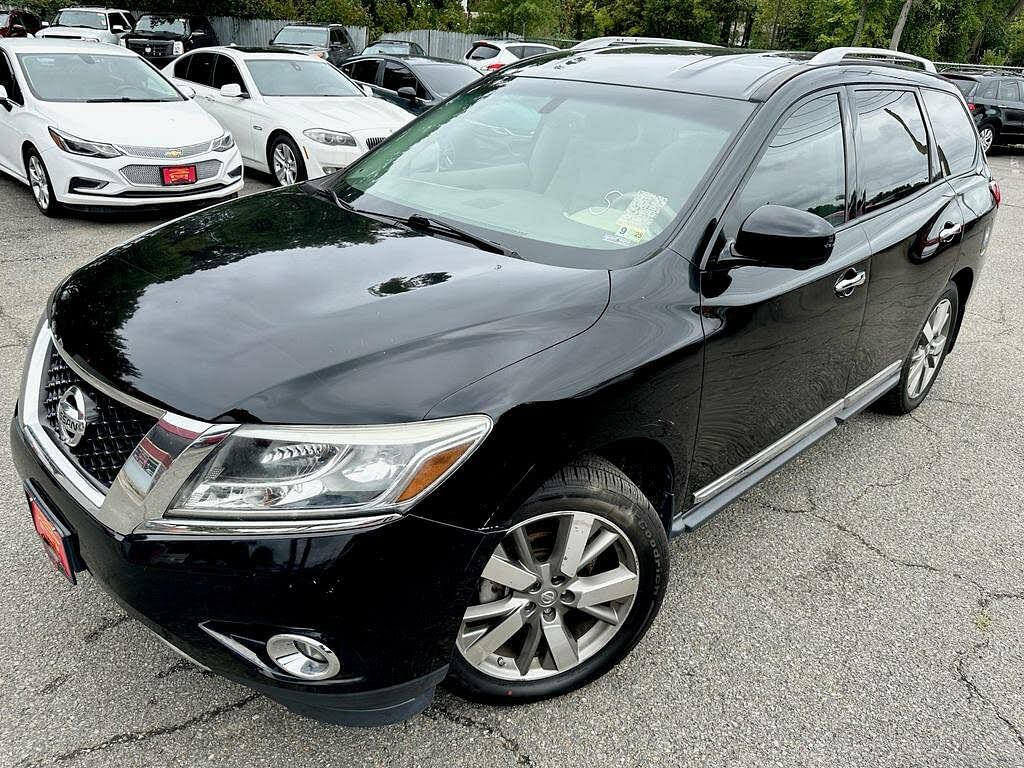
126,100
422,223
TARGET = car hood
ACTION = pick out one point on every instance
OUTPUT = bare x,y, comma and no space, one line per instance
155,36
66,31
345,113
148,124
282,308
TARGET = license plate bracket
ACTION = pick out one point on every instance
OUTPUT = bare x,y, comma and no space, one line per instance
174,175
58,540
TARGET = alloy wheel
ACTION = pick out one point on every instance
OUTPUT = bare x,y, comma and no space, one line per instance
988,136
286,166
554,593
931,345
38,181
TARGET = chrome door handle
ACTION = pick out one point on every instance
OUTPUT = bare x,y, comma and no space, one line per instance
949,231
851,279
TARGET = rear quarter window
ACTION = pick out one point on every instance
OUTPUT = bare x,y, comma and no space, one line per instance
482,52
892,151
954,132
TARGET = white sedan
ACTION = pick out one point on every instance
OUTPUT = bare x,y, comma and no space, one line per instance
89,125
293,116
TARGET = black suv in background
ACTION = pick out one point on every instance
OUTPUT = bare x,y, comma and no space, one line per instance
161,39
437,416
325,41
996,103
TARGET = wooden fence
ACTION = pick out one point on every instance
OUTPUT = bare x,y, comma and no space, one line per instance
258,32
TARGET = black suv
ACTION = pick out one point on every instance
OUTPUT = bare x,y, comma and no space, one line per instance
996,103
437,416
325,41
162,39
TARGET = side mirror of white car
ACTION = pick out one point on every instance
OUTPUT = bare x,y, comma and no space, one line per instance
187,91
44,24
117,29
231,91
367,90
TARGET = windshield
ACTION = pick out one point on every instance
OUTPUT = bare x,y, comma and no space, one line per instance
388,46
290,77
444,79
569,173
87,77
90,19
165,24
302,36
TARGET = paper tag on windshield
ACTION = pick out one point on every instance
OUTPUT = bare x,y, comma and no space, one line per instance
635,221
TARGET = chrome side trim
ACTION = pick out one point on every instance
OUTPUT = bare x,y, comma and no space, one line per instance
839,411
106,389
167,525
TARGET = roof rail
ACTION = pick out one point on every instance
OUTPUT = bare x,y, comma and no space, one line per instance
837,55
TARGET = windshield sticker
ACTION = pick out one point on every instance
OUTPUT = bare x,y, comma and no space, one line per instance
639,215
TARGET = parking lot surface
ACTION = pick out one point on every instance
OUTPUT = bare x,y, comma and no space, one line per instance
865,607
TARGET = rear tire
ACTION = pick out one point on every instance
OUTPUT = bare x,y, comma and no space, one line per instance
989,135
928,353
39,183
565,634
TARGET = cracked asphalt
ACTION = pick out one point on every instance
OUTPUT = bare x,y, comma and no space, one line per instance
864,607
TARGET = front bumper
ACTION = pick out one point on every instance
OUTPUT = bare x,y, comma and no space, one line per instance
72,176
322,159
387,600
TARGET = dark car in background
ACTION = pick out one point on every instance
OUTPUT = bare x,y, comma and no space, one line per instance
394,48
162,38
17,22
437,415
325,41
415,83
996,102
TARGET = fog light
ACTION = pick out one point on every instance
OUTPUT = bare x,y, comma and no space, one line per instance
303,657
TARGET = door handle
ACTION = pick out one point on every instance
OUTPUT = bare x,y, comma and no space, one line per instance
949,231
851,279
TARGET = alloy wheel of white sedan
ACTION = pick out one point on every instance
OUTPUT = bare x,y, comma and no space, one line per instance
285,163
39,181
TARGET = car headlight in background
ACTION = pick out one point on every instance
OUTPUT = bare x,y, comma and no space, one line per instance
224,143
330,138
280,472
77,146
177,48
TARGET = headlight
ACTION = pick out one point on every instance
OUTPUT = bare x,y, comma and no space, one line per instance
330,138
77,146
277,472
223,144
177,48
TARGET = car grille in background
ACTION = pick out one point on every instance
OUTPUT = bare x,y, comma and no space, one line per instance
149,175
162,152
110,439
155,49
371,143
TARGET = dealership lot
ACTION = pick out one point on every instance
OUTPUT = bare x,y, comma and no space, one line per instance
866,605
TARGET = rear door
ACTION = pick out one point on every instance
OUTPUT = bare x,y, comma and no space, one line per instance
911,219
1008,101
780,342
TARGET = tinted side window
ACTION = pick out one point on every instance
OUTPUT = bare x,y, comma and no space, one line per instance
1009,90
181,67
396,76
363,71
954,132
892,146
804,165
516,50
200,71
481,52
226,72
987,90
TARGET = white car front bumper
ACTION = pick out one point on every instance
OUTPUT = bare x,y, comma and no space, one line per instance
322,159
128,181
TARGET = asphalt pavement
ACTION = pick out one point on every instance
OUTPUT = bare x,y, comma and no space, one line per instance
864,607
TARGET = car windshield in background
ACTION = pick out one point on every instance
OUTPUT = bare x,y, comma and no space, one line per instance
569,173
290,77
443,79
161,24
88,77
312,36
387,46
90,19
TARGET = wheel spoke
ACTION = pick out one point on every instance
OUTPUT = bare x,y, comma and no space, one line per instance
523,549
508,574
597,545
929,334
573,535
491,641
561,643
605,613
494,609
615,584
526,655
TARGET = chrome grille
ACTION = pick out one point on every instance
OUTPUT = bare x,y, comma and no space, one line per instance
190,151
150,176
155,48
371,143
109,440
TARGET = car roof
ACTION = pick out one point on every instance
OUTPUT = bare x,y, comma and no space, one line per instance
599,42
62,45
727,72
96,8
507,43
414,60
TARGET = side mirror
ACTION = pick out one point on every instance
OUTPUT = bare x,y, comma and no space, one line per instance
271,41
407,92
231,91
117,29
187,91
367,90
778,236
17,30
44,24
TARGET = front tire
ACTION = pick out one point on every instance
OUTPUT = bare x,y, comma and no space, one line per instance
286,163
922,366
39,183
571,588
